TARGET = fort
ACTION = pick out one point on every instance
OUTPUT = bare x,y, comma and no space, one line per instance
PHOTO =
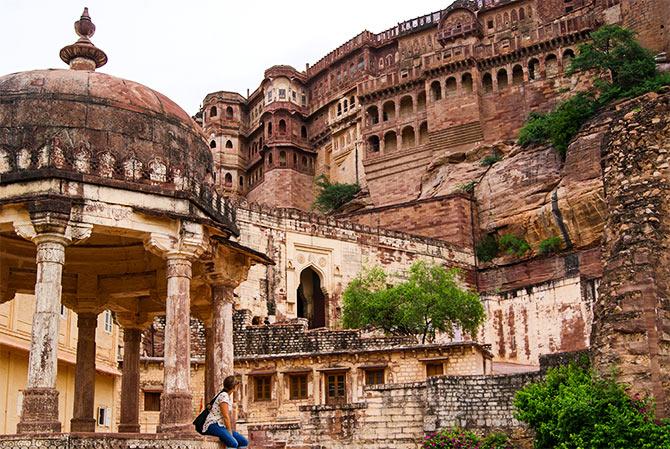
146,254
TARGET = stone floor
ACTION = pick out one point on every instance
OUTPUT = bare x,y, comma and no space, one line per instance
108,441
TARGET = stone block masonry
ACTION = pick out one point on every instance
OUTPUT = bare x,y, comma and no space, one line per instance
632,326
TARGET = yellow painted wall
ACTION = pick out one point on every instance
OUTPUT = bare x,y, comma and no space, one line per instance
15,326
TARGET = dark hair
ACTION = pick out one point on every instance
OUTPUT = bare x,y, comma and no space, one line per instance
229,383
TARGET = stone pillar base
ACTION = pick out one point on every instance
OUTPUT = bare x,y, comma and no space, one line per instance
129,428
40,411
82,425
176,414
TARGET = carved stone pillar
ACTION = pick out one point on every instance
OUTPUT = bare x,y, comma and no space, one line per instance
176,400
84,382
40,398
222,329
130,382
209,362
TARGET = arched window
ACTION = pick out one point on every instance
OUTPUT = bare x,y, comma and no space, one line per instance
282,158
421,101
270,159
502,79
303,132
241,181
487,82
436,90
390,141
339,109
373,115
346,105
551,65
450,87
568,56
406,106
373,144
269,129
213,111
423,133
515,19
533,69
228,180
466,82
229,112
304,161
408,138
389,111
517,75
212,144
282,126
311,302
522,13
229,144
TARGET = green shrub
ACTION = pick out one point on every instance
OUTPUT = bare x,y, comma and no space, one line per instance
560,125
613,53
452,439
513,245
497,440
467,187
491,159
487,249
550,245
572,408
332,196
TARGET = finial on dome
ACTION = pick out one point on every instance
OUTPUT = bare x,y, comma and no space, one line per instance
83,55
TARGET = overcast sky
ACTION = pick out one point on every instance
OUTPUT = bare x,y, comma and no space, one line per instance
186,49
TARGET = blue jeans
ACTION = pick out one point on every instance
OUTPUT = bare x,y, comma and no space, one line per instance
231,441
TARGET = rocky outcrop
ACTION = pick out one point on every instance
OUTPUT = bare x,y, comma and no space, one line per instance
531,192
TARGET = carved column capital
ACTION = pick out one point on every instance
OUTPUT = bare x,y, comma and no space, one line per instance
189,243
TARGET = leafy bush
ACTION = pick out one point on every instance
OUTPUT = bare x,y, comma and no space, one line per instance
572,408
497,440
560,125
458,438
452,439
332,196
513,245
613,54
550,245
467,187
429,301
487,249
491,159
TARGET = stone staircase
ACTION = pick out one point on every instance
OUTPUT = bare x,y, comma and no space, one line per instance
455,136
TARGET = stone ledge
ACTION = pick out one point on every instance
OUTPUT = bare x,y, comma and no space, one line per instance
328,408
108,441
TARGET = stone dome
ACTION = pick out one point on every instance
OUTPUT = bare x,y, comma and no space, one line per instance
88,126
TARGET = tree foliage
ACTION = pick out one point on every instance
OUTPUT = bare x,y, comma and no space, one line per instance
429,301
613,51
572,408
332,196
513,245
487,249
623,69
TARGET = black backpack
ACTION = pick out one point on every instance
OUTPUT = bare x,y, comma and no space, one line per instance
199,420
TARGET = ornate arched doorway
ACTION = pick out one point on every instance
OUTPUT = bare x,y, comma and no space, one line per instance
311,300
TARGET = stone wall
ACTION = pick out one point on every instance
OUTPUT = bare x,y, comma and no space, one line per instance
449,218
400,415
632,327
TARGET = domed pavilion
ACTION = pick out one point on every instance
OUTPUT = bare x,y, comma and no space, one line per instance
107,202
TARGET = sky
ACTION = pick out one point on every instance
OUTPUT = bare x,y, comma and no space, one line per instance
186,49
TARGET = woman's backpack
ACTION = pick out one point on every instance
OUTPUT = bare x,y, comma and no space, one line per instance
199,420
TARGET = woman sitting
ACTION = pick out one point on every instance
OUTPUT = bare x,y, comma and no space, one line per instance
220,422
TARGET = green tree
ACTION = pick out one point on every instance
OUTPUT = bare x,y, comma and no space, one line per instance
613,50
332,196
573,408
429,301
